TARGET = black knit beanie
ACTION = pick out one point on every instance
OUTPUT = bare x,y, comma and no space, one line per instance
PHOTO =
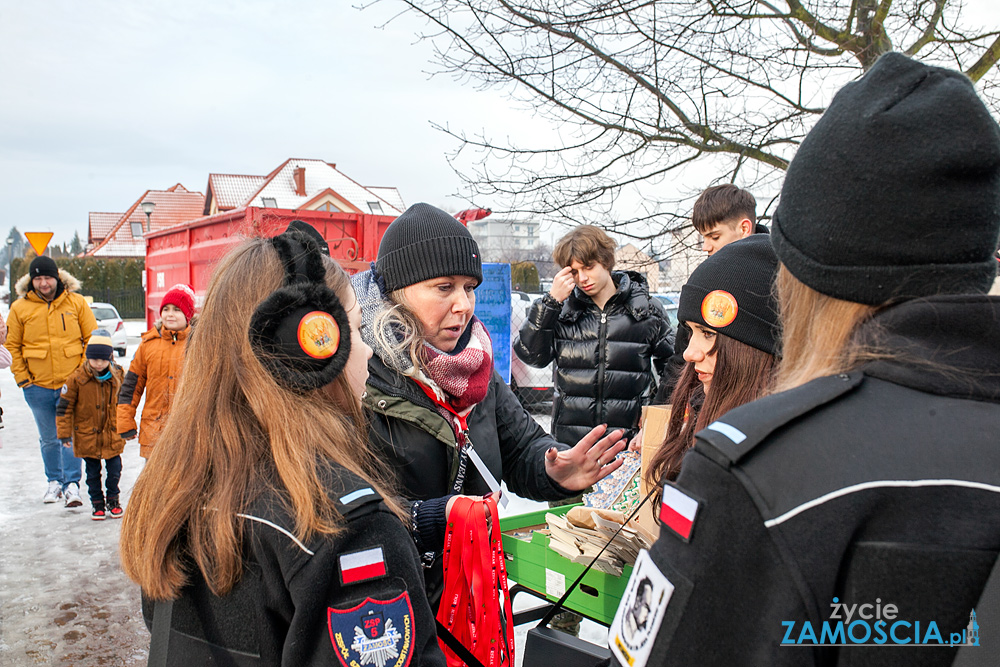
43,266
423,243
896,191
730,292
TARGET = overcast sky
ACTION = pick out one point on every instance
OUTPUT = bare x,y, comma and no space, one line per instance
102,100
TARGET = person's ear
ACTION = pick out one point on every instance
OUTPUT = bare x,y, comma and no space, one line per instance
746,227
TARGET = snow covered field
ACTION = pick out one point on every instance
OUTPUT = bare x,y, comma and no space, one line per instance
63,598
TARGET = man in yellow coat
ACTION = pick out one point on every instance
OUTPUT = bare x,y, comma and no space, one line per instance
47,333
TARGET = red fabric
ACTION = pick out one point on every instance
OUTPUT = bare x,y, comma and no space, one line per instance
464,375
475,605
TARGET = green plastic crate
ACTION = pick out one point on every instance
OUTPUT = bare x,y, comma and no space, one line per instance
531,563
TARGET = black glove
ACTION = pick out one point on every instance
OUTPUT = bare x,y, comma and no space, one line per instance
127,435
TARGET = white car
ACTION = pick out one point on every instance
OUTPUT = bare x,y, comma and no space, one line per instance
108,318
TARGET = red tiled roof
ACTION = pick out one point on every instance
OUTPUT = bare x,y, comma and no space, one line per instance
174,205
230,190
99,224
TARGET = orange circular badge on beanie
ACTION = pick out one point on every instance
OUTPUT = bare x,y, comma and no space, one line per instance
319,335
719,308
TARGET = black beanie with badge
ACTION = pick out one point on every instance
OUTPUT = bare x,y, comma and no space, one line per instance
730,293
423,243
43,266
895,193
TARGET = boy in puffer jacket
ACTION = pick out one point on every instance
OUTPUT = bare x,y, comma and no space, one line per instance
156,369
86,421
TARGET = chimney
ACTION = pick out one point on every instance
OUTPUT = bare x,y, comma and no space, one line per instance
299,176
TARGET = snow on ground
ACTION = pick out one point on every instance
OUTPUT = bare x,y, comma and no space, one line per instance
63,597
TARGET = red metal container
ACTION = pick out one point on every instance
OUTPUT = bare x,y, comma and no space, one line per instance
188,253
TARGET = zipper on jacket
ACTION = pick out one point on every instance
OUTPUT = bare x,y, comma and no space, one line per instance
602,362
63,316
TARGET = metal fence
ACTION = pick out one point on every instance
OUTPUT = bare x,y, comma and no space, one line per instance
532,386
130,302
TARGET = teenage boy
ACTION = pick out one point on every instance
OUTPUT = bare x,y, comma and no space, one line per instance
721,214
608,338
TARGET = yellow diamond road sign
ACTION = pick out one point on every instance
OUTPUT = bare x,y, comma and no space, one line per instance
39,241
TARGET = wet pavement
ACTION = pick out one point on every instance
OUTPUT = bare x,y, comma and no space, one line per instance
63,597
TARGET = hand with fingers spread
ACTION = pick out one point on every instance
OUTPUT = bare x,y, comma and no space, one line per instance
562,284
589,461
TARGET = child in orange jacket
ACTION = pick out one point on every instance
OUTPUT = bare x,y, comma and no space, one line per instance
156,369
85,421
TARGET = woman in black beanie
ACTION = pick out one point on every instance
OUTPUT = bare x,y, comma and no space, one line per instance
857,509
437,403
730,312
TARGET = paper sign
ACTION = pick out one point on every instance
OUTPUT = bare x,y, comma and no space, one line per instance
493,309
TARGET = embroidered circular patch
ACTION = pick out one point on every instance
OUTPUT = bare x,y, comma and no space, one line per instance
719,308
319,335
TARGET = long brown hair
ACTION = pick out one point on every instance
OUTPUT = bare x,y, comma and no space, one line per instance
819,333
742,374
235,433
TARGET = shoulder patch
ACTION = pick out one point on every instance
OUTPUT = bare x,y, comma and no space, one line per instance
375,632
637,621
362,565
740,430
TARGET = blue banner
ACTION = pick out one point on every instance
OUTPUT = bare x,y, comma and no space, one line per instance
493,309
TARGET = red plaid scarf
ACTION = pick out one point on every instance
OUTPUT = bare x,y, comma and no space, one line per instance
463,375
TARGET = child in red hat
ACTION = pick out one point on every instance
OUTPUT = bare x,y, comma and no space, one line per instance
156,369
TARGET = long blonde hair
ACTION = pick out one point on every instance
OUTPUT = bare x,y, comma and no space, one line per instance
819,333
398,330
235,433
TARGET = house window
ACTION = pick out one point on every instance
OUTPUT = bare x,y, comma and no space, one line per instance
375,207
517,228
328,206
269,202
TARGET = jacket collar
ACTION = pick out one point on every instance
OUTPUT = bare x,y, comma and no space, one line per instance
632,294
394,383
945,345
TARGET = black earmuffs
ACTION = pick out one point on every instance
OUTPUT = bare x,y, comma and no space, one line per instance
300,332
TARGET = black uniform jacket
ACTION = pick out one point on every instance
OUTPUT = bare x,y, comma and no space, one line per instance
419,445
296,602
880,486
604,358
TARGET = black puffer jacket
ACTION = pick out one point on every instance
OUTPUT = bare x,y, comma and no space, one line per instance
604,359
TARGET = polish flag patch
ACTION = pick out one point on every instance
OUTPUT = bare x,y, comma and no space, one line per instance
678,511
362,565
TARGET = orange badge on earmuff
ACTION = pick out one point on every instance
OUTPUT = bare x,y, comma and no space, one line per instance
319,335
719,308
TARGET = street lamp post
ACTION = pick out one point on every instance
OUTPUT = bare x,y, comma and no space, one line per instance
147,208
10,270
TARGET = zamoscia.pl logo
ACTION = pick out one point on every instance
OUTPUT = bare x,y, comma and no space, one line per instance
875,624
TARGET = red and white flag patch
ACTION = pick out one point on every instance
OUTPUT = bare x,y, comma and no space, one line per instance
678,511
362,565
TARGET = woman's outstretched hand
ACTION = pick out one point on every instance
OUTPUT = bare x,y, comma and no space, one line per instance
590,460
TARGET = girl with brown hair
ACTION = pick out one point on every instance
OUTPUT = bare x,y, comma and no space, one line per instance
259,527
732,318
